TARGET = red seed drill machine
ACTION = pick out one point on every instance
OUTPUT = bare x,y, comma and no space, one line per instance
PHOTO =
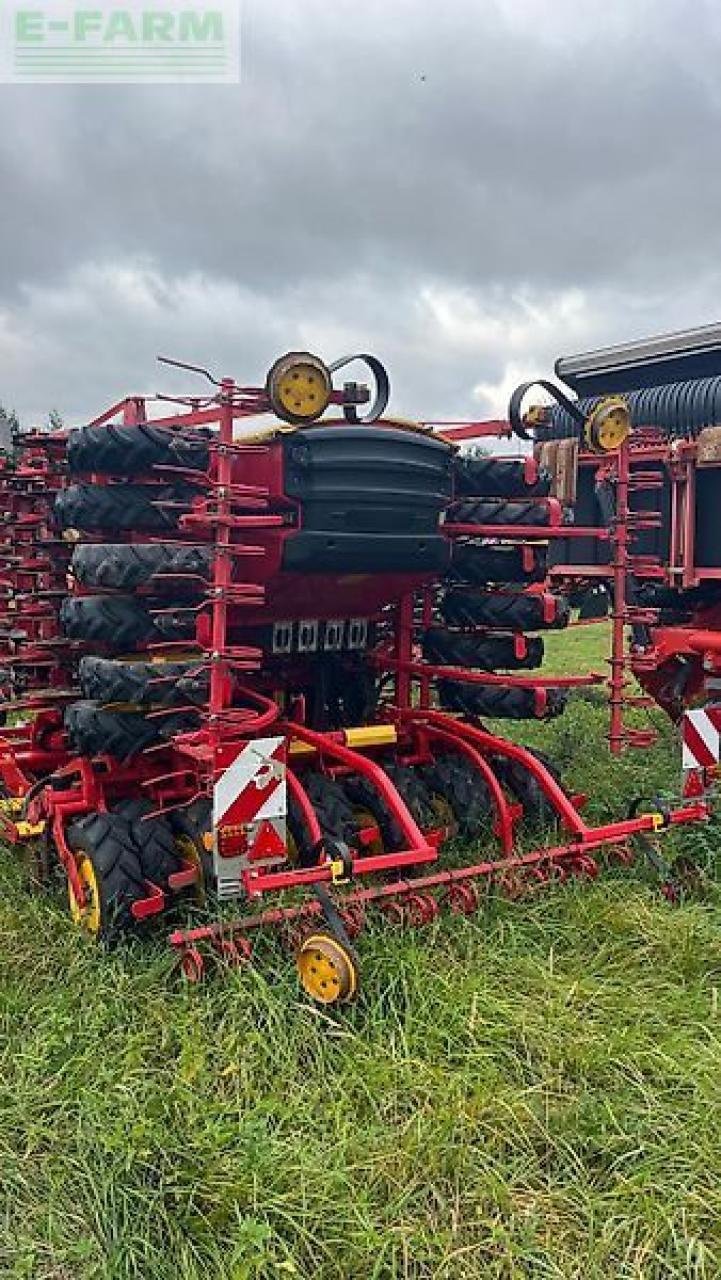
249,643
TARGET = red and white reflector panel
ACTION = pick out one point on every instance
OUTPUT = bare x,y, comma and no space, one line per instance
701,734
249,810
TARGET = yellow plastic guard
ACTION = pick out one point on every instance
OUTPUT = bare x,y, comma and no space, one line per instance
365,735
29,829
371,735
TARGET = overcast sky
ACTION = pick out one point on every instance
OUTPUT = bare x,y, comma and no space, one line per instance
467,188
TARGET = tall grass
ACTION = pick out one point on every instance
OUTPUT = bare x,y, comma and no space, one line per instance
530,1093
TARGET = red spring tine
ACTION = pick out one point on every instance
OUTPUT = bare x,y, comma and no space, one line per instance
588,866
530,469
462,899
192,964
291,935
509,884
621,853
415,911
577,865
233,951
536,875
421,909
394,911
433,907
353,917
244,946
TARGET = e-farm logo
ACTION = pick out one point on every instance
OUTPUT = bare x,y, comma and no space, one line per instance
168,43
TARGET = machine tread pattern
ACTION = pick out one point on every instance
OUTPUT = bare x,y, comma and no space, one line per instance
505,610
120,623
455,780
121,507
499,478
498,511
160,684
128,450
93,731
497,702
119,566
483,652
107,841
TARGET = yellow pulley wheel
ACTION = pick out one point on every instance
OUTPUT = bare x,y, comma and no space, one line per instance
328,970
299,387
88,917
608,425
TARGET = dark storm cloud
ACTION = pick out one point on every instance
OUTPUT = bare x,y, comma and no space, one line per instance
466,187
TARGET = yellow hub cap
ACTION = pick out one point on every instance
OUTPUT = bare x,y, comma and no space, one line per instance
87,916
328,971
301,392
608,425
299,387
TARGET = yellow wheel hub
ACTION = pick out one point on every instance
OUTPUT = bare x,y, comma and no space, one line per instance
299,387
301,391
328,971
190,852
608,425
88,917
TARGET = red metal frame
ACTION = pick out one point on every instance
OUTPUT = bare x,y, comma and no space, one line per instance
635,467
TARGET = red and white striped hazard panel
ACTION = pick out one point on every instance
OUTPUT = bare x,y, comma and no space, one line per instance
701,732
249,810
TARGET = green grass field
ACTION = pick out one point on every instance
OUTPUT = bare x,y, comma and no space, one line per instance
531,1093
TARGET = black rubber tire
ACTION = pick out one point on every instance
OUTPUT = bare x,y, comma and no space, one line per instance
412,790
153,839
484,652
300,848
193,820
120,507
159,684
93,731
333,811
120,623
455,780
595,602
497,702
194,823
497,511
340,690
124,566
478,564
537,810
504,610
128,451
107,840
498,478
